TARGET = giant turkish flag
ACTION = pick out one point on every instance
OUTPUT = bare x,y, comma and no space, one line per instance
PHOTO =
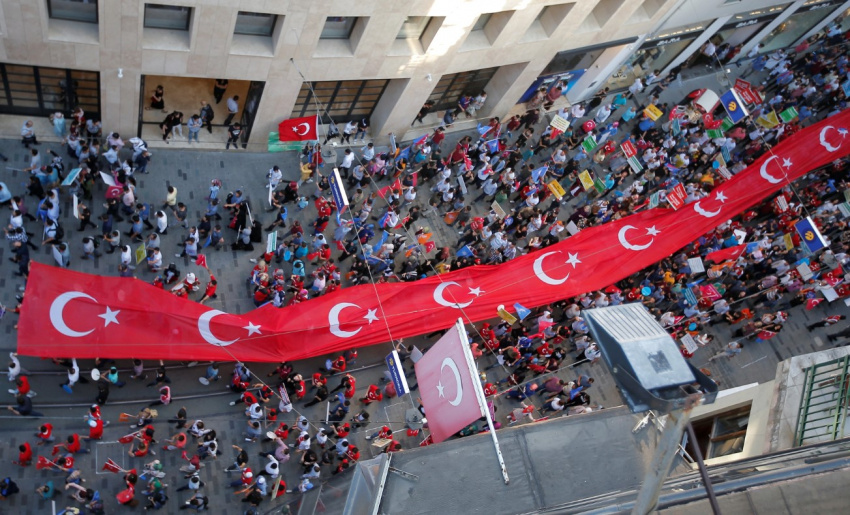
446,387
69,314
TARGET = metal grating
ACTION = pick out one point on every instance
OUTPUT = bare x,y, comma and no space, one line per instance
824,403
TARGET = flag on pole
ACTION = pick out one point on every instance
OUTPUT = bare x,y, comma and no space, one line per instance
43,463
727,124
538,173
735,107
521,311
589,144
810,235
111,466
483,129
446,387
299,129
714,133
724,151
788,115
768,121
493,145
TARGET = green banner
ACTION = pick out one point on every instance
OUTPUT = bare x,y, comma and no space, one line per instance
788,114
589,144
714,133
726,125
275,145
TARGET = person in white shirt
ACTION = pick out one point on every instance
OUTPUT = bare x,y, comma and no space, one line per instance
347,162
161,222
232,109
368,152
348,131
577,111
155,260
274,176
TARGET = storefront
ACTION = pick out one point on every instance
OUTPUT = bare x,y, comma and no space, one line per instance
451,86
798,24
741,27
343,101
40,91
654,54
569,66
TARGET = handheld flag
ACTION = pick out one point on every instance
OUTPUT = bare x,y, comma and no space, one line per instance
43,463
493,146
111,466
810,235
734,106
521,311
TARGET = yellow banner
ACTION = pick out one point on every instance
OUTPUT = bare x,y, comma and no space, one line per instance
507,317
586,180
556,189
652,112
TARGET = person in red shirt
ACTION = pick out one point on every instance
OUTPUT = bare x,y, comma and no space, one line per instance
25,455
246,479
95,429
209,293
348,384
282,431
140,450
45,434
319,380
382,434
352,453
178,441
490,389
341,431
394,446
23,387
337,365
72,445
372,394
299,387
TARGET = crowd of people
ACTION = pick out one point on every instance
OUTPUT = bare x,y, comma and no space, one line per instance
492,189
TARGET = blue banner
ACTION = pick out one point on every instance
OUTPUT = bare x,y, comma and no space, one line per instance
521,311
397,373
338,192
810,235
734,106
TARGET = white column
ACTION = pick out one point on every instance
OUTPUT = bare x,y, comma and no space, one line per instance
779,20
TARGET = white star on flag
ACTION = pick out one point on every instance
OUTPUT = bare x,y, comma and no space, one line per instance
371,316
440,388
721,197
110,317
786,162
253,329
843,132
652,231
475,291
573,260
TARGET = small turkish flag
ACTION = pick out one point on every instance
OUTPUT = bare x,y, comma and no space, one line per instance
446,387
429,246
201,261
111,466
298,129
812,304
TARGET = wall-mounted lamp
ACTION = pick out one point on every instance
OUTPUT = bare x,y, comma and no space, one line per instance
120,73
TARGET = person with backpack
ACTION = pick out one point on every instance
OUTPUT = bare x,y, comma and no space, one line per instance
207,115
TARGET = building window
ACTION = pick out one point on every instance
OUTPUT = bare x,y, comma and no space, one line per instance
450,87
169,17
343,100
338,27
481,22
73,10
413,27
722,434
255,24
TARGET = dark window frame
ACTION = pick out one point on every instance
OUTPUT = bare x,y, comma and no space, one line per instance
458,84
176,8
350,29
327,102
273,17
50,13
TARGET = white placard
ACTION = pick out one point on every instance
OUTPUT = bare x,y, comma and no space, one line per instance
695,263
107,179
559,123
689,343
572,228
76,204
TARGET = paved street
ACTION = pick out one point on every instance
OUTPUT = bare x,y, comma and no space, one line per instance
191,172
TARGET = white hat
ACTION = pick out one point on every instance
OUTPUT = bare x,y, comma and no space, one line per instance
92,423
249,474
190,277
261,480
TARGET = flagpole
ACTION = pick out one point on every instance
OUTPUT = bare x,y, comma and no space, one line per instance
479,394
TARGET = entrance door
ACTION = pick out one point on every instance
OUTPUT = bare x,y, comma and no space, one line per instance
252,101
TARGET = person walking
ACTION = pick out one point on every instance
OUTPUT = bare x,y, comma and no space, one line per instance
232,108
732,349
207,114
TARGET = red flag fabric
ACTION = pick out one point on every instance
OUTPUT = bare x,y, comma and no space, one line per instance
128,438
812,303
111,466
201,260
719,256
299,129
834,277
429,246
86,316
43,463
446,387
